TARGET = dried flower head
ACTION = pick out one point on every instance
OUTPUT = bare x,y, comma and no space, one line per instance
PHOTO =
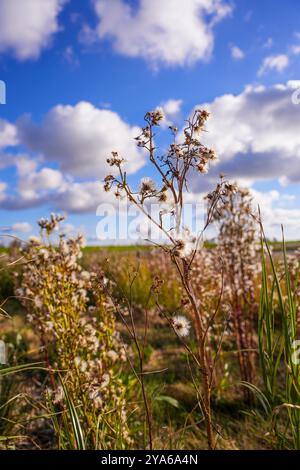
115,159
156,116
185,244
147,186
181,325
56,292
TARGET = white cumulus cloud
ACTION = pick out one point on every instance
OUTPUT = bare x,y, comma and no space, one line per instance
237,53
172,32
256,134
21,227
8,134
275,211
3,187
274,62
80,138
171,110
38,185
295,49
83,197
27,26
33,183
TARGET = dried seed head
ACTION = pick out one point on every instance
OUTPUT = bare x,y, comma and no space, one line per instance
181,325
115,159
147,185
157,284
155,117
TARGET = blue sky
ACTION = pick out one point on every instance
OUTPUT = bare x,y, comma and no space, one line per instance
81,74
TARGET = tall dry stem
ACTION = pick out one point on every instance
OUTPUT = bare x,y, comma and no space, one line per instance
186,156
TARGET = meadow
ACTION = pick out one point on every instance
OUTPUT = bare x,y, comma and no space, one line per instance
181,345
260,414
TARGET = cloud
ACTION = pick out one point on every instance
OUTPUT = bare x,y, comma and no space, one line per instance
34,183
255,134
269,43
35,186
295,49
73,197
275,212
38,186
80,138
237,53
171,32
3,187
248,16
70,57
67,229
27,26
64,157
8,134
171,110
21,227
83,197
274,62
87,35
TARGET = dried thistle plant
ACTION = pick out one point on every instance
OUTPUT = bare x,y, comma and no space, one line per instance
182,158
238,243
77,339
